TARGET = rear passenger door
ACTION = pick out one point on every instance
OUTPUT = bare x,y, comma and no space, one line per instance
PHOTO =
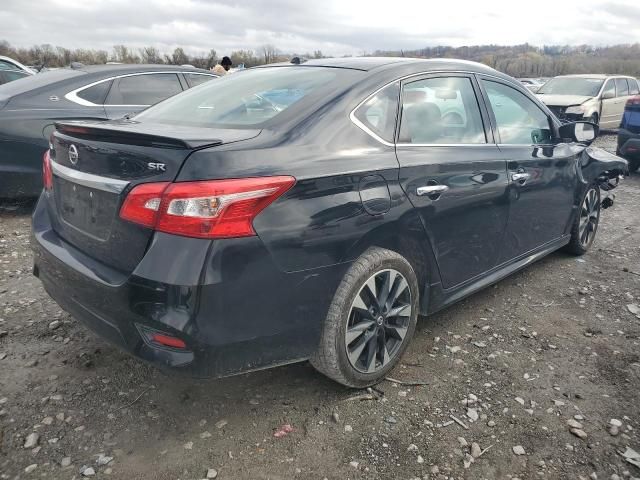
453,173
133,93
542,175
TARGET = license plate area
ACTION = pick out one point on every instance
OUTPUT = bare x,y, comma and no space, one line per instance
88,210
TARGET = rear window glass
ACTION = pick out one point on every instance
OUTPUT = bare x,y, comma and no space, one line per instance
96,94
633,87
244,99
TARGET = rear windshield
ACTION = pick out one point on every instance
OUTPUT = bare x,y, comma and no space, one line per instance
36,81
584,87
246,99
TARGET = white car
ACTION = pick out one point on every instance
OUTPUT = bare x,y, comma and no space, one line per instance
7,63
597,98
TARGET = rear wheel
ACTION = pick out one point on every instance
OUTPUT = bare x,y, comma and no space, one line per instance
585,226
370,321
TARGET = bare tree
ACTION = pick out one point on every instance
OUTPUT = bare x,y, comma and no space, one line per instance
150,55
269,53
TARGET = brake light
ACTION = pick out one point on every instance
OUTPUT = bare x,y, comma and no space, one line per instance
207,209
47,173
633,101
168,341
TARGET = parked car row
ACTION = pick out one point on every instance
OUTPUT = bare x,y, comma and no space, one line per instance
311,211
30,107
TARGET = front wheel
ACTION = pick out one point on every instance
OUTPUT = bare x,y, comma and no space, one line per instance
585,226
370,321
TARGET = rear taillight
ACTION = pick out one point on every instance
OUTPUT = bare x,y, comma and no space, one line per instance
208,209
47,173
633,101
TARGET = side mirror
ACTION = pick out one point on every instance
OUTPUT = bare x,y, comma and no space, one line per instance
608,94
580,132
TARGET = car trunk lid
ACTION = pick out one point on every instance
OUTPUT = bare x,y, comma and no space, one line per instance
95,165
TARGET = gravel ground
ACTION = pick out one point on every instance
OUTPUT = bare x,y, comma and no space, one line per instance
524,381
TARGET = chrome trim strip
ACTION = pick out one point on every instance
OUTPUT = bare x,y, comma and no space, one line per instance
485,144
72,96
106,184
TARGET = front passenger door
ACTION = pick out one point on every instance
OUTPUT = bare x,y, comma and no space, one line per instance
134,93
542,176
609,111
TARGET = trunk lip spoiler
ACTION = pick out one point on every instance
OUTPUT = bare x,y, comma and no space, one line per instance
98,182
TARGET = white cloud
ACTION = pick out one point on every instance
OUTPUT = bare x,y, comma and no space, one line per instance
333,26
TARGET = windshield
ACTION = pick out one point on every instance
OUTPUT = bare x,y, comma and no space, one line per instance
246,99
584,87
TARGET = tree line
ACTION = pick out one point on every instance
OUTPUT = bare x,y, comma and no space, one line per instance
548,61
51,56
518,60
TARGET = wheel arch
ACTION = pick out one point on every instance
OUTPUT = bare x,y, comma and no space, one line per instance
406,237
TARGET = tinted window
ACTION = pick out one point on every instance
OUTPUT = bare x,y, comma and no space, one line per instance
441,110
586,87
251,97
4,65
634,89
11,75
97,93
378,113
609,88
144,89
194,79
622,87
519,120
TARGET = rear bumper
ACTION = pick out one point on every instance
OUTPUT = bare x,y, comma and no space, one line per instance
629,144
238,312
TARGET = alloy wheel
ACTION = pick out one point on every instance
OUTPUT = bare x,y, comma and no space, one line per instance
378,321
589,218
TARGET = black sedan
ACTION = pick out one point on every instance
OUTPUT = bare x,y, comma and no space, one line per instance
29,108
309,211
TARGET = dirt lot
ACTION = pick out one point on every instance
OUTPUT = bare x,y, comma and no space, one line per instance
552,344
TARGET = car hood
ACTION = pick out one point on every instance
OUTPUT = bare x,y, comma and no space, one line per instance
563,100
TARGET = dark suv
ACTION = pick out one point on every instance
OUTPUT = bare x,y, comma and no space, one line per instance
629,133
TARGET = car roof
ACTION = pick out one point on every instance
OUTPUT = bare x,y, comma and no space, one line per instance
398,65
133,68
595,75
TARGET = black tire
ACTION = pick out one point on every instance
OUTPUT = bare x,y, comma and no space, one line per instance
634,165
588,212
332,357
594,118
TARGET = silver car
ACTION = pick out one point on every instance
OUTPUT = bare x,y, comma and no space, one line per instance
597,98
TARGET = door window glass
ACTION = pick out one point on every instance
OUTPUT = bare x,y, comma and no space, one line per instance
609,88
378,113
144,89
519,120
622,87
633,87
441,110
194,79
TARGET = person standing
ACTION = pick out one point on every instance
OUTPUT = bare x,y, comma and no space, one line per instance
223,67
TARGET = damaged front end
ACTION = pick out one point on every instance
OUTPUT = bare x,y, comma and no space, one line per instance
605,169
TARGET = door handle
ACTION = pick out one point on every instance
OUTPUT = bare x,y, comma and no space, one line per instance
520,177
432,191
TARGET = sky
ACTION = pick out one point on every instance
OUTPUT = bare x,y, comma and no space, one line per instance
348,27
